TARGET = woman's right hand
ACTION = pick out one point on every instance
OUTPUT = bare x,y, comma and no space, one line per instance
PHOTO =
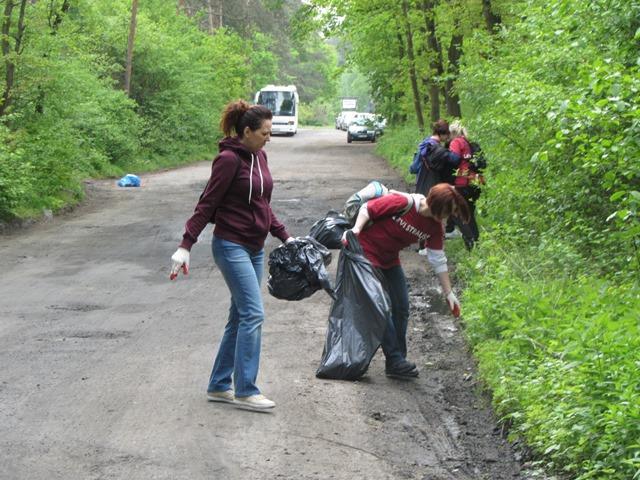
454,304
180,259
355,231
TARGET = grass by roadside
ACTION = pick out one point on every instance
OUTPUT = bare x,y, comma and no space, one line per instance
557,344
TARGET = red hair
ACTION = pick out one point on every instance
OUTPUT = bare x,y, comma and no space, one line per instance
444,200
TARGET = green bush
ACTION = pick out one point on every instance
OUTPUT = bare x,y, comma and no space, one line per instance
397,145
70,118
561,356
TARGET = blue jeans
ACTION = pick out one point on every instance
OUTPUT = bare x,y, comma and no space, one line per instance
394,341
239,352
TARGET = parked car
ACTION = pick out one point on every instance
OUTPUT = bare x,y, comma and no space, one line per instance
347,118
362,129
380,123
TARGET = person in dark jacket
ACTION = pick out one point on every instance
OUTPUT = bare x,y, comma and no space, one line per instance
237,199
448,161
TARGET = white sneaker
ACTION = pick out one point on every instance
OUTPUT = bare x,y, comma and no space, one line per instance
423,252
254,402
227,396
455,234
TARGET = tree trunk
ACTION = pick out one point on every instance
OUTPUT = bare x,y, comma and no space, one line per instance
130,43
57,16
490,19
435,54
452,99
412,66
6,50
210,17
219,14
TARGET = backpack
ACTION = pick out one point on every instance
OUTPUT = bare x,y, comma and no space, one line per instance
416,163
375,189
478,161
436,157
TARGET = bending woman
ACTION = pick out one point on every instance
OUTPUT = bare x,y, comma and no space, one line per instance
391,231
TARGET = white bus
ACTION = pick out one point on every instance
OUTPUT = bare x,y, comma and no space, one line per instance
283,101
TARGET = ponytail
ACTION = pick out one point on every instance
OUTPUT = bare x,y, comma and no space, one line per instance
238,115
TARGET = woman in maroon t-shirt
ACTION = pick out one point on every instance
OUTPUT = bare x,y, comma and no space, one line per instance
391,231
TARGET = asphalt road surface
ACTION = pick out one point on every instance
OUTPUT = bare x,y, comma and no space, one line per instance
105,362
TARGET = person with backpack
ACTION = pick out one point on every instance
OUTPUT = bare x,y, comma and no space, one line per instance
467,181
384,227
237,199
433,163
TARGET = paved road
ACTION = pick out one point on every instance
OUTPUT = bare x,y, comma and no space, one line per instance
105,362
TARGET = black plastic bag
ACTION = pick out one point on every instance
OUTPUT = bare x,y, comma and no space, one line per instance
329,230
297,269
358,319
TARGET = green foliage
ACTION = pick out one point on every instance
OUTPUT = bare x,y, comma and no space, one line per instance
552,292
318,113
69,118
569,123
561,357
398,145
354,84
551,295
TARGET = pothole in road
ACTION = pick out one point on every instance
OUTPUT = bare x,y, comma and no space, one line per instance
93,334
77,307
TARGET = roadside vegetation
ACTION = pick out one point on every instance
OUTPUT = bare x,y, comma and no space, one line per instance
551,294
549,88
76,106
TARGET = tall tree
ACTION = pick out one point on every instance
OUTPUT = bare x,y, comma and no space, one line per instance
491,19
130,44
9,58
434,53
451,97
413,76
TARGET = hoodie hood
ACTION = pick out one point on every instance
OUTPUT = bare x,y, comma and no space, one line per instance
234,144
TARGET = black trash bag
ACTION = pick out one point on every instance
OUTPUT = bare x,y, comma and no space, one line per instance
297,269
358,318
329,230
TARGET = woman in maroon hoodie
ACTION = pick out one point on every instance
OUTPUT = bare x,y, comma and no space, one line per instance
237,199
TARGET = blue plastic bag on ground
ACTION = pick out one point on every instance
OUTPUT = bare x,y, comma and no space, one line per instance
129,180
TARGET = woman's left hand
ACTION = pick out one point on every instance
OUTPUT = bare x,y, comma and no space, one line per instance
289,240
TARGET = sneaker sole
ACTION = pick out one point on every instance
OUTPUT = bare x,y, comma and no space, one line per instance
253,408
219,399
403,376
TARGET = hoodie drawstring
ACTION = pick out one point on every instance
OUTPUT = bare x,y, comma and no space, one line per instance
253,158
261,179
251,178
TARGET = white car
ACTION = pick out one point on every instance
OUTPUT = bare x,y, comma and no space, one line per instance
347,118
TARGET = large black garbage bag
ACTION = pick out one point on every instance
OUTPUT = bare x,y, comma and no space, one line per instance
329,230
358,318
297,269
